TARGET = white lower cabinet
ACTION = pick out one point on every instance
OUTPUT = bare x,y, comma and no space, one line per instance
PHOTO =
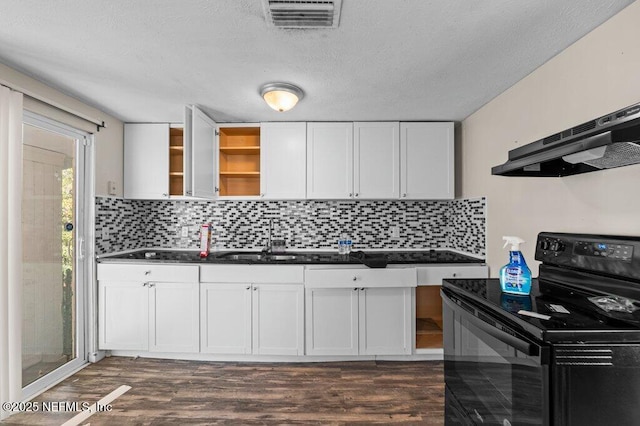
264,319
139,309
174,317
277,319
385,321
225,318
358,321
242,317
124,315
332,321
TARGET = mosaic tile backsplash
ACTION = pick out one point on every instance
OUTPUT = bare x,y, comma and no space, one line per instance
132,224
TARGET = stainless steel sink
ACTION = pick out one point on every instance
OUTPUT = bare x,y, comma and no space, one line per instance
282,257
245,256
258,256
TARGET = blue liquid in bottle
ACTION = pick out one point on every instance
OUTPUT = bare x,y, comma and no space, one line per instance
515,277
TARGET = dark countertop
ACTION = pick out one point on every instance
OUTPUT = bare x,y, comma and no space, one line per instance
301,258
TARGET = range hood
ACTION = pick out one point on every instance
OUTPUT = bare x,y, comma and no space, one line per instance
612,140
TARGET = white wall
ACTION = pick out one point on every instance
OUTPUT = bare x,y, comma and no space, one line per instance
109,140
598,74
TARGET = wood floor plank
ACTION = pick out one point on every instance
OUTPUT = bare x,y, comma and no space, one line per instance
167,392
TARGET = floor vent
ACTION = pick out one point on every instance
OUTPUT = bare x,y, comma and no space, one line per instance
302,14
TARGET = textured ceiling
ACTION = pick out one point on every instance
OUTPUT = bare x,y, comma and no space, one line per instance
143,60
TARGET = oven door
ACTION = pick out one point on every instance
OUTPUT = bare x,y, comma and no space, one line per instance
493,374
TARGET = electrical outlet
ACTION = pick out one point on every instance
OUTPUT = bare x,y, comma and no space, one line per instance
185,232
395,231
112,190
105,234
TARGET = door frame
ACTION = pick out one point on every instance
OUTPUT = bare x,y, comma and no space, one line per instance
83,253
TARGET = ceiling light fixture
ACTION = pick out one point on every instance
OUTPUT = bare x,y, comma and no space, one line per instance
281,96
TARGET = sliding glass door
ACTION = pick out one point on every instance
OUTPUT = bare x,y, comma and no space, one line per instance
53,226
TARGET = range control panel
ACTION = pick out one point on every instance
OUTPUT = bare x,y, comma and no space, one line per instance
604,249
607,254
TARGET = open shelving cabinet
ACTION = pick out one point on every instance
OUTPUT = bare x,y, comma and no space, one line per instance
176,161
239,161
428,317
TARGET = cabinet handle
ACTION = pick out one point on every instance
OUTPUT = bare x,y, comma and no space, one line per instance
262,195
351,194
217,189
355,278
147,272
356,194
255,289
404,195
151,285
165,195
249,288
362,288
355,289
145,284
453,275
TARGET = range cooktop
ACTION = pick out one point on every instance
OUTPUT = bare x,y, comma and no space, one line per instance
568,314
588,289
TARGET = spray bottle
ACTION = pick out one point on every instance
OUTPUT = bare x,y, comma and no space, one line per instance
515,276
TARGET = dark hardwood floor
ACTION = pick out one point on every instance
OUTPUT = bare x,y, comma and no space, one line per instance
188,392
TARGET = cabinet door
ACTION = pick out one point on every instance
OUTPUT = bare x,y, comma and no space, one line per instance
283,160
331,321
146,161
225,318
329,160
376,160
187,153
426,161
278,319
174,317
385,321
204,161
123,309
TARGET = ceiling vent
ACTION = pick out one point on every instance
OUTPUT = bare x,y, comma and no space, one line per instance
302,14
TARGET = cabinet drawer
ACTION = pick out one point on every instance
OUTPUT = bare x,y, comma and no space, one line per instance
332,278
147,272
267,274
433,275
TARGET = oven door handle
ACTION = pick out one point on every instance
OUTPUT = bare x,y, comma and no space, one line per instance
513,341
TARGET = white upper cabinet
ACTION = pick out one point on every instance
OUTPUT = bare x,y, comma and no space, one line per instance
163,160
146,160
203,158
283,160
426,161
315,160
329,160
376,160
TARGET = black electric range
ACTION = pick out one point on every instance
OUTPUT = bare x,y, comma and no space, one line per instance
567,354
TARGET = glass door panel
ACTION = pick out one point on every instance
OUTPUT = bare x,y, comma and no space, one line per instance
49,326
